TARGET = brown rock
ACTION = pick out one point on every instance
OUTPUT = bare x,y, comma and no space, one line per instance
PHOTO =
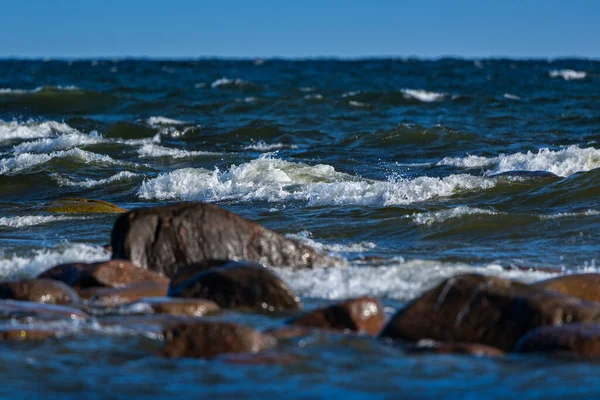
584,286
363,314
79,205
246,287
474,349
580,339
20,309
166,238
128,294
189,271
488,310
208,339
289,332
113,273
38,290
191,307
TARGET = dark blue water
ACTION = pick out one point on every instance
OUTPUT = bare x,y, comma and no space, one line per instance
391,164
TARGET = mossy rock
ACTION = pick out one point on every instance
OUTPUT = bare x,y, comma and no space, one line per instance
82,206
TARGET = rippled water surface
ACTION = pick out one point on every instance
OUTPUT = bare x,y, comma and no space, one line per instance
403,167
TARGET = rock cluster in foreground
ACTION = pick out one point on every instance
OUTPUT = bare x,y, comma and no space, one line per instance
177,268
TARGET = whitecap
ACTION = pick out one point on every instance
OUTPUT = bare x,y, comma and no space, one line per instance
32,220
305,238
436,217
66,88
511,96
62,142
567,74
32,130
351,93
90,183
357,104
314,96
261,145
423,95
151,150
157,121
587,213
226,82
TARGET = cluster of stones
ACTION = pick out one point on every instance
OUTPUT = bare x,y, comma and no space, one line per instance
185,262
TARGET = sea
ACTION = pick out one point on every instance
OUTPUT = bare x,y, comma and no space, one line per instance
411,170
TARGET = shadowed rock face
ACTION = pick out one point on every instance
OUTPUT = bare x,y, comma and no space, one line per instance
208,339
363,314
489,310
580,339
246,287
584,286
38,290
166,238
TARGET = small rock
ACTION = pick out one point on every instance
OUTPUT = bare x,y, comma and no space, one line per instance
166,238
128,294
23,309
580,339
38,290
206,339
363,314
474,349
584,286
246,287
78,205
113,273
191,307
484,309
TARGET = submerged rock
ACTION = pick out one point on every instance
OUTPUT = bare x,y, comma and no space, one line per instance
113,273
78,205
130,293
246,287
207,339
39,291
363,314
584,286
580,339
483,309
25,309
167,238
191,307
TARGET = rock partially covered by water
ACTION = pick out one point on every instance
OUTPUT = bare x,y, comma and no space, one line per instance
483,309
167,238
38,290
26,309
580,339
363,314
207,339
191,307
113,273
130,293
26,333
78,205
584,286
247,287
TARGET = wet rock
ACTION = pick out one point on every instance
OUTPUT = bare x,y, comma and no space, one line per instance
166,238
474,349
38,290
22,334
527,174
131,293
289,332
207,339
580,339
483,309
78,205
584,286
245,287
363,314
155,323
113,273
189,271
191,307
24,309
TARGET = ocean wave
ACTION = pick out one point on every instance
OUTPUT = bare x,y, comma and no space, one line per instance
28,160
402,280
230,83
151,150
313,96
436,217
35,262
68,88
31,130
32,220
563,162
587,213
423,95
158,121
304,237
90,183
511,96
567,74
62,142
358,104
270,179
261,145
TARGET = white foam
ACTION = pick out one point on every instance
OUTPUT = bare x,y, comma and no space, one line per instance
511,96
563,162
68,88
32,130
358,104
423,95
151,150
305,237
270,179
32,220
157,121
400,280
90,183
430,218
27,160
62,142
35,262
567,74
314,96
586,213
261,145
226,82
351,93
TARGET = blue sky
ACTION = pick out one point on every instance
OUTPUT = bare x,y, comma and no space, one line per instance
308,28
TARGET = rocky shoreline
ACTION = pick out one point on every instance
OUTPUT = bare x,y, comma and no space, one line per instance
176,267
